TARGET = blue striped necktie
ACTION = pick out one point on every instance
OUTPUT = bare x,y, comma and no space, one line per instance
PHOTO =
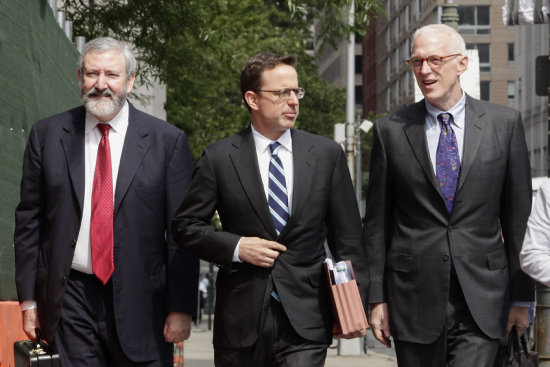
277,196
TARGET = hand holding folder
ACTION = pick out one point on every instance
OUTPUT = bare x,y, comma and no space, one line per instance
349,315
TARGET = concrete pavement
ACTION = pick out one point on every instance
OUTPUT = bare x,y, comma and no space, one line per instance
198,352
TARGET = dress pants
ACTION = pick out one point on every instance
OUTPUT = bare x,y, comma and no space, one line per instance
277,346
86,335
461,344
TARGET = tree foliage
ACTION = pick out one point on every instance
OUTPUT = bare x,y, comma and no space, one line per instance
198,49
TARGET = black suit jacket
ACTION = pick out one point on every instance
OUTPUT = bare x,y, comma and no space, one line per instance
410,237
152,276
227,179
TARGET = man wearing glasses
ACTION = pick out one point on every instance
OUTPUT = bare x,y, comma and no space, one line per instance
280,193
446,210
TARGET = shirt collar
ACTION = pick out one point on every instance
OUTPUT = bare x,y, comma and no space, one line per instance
262,143
118,123
457,111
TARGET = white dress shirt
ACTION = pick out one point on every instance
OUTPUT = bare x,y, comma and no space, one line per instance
82,260
263,153
535,252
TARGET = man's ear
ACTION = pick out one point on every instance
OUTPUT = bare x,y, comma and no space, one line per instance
251,99
462,64
79,77
130,83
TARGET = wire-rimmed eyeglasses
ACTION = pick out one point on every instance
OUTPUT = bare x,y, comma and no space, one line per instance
434,61
284,94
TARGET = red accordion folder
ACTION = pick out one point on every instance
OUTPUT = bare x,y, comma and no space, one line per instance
349,314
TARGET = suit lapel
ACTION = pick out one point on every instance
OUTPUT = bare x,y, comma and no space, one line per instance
244,159
415,129
304,163
474,126
136,145
72,141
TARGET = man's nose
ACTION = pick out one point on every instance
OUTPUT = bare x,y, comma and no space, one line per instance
293,98
425,68
101,82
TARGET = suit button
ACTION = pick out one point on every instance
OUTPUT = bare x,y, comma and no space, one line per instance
64,281
73,244
445,257
451,228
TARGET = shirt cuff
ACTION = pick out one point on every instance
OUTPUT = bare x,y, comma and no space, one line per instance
28,305
236,258
521,304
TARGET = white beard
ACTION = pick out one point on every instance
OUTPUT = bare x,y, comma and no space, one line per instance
103,108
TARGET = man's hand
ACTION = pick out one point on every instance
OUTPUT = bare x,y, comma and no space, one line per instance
177,327
260,252
518,317
355,334
30,323
380,323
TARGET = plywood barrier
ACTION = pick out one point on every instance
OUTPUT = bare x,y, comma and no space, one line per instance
11,330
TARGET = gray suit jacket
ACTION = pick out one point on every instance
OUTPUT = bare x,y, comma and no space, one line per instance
410,238
227,179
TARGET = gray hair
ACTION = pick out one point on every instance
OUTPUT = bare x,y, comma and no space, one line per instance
108,43
455,37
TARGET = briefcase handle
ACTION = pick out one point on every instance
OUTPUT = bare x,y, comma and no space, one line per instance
38,339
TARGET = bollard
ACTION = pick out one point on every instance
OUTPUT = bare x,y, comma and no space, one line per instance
542,325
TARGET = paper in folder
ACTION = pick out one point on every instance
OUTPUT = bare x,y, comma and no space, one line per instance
349,314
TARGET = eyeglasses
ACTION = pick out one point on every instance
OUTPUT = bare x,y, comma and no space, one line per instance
284,94
433,61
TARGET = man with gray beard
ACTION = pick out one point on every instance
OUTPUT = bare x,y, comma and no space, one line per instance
97,270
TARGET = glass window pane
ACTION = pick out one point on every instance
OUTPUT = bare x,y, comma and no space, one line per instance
358,64
511,89
485,90
484,52
358,94
466,15
510,52
483,16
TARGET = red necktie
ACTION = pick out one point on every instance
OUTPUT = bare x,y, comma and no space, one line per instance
101,226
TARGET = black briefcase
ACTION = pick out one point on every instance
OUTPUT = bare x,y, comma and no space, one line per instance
27,353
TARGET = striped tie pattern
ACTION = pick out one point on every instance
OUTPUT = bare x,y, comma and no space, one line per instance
277,195
447,160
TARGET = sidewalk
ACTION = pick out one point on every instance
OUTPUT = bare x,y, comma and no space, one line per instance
198,352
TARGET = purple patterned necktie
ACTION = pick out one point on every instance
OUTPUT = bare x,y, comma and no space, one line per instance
447,160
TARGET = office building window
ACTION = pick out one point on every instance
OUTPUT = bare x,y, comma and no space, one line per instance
397,24
511,94
358,64
398,61
359,94
511,53
485,90
484,51
474,19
